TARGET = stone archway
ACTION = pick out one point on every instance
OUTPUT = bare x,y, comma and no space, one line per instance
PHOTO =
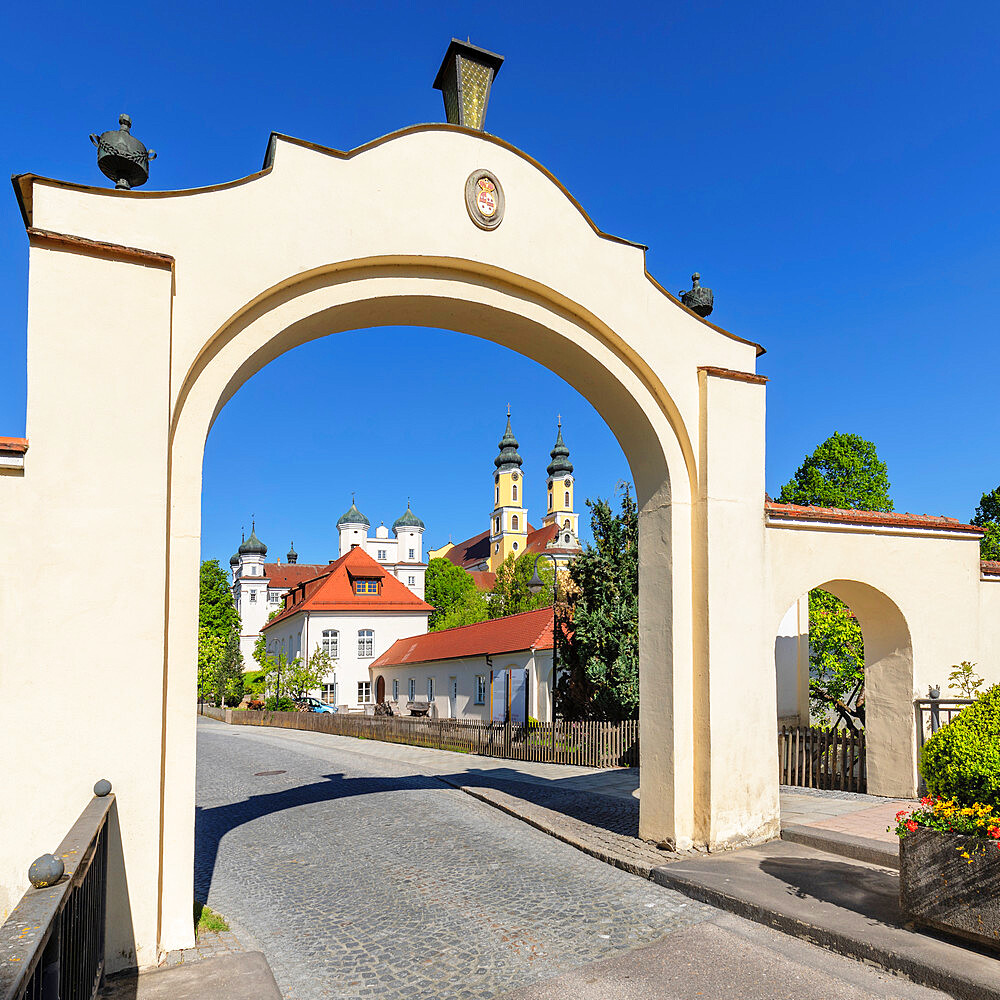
135,351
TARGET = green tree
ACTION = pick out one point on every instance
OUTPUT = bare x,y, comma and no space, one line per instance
471,608
305,676
510,594
446,587
216,610
988,518
844,471
229,672
211,648
260,644
599,666
836,658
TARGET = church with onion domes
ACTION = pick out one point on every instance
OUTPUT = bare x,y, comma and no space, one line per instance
510,533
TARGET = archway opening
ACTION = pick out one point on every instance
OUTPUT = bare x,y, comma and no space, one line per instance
844,689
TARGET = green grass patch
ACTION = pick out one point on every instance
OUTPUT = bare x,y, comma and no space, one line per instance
206,919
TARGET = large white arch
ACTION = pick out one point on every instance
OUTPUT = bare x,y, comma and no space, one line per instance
133,352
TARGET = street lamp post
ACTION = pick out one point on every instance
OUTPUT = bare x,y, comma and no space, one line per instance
535,585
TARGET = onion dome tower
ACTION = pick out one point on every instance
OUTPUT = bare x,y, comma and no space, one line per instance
559,487
292,556
353,527
409,529
509,520
252,552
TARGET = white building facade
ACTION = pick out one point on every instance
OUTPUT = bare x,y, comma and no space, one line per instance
259,587
355,611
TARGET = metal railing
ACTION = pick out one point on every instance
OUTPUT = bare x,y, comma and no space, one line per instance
930,714
933,713
52,944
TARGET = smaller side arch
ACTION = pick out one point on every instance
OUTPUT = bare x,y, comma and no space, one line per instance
889,687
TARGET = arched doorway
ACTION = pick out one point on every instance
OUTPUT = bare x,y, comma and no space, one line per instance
380,690
216,302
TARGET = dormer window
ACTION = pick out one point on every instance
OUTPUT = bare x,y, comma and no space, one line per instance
366,586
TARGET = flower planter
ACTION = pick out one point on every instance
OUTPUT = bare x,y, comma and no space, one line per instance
940,888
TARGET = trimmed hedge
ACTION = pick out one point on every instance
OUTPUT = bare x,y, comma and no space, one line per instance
962,759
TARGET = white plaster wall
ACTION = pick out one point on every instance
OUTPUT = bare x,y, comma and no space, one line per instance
791,663
351,534
465,670
299,632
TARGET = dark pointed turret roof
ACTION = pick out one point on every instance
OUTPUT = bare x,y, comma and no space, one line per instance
234,559
560,464
508,457
253,545
407,520
353,516
293,556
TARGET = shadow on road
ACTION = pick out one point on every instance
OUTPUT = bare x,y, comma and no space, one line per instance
211,824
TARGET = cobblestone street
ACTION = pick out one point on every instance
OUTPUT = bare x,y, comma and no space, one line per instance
360,876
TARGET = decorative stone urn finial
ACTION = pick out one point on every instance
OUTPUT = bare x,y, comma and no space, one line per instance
121,157
46,871
698,299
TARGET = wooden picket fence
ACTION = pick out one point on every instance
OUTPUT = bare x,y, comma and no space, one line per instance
812,757
589,744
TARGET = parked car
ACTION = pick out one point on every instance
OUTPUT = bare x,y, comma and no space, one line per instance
315,705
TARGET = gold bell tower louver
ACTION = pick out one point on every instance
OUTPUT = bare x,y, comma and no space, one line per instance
464,79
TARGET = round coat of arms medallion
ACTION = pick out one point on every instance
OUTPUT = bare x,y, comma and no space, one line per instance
484,199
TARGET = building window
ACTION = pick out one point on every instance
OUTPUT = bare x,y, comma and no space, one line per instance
366,639
366,586
411,581
413,553
515,546
413,688
513,523
381,555
430,688
496,526
496,548
364,692
480,689
567,539
330,694
515,492
273,597
566,523
331,642
395,690
566,501
253,596
498,495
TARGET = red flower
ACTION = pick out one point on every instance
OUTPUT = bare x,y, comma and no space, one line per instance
910,825
901,814
927,801
994,832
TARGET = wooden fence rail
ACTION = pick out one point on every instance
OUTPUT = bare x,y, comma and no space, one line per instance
589,744
812,757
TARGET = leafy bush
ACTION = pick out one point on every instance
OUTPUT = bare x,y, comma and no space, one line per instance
282,704
961,760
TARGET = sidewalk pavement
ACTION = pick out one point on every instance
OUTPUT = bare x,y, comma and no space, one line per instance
239,976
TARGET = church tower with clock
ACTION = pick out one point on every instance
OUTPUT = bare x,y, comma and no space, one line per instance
509,523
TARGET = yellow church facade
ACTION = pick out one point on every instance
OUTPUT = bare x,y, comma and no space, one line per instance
510,533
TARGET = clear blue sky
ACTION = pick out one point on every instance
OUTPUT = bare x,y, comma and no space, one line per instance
831,170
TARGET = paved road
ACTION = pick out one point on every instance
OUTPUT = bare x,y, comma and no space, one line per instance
364,876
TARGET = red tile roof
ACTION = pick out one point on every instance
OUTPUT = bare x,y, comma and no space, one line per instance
13,446
334,590
476,550
990,567
292,574
528,630
876,518
483,579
